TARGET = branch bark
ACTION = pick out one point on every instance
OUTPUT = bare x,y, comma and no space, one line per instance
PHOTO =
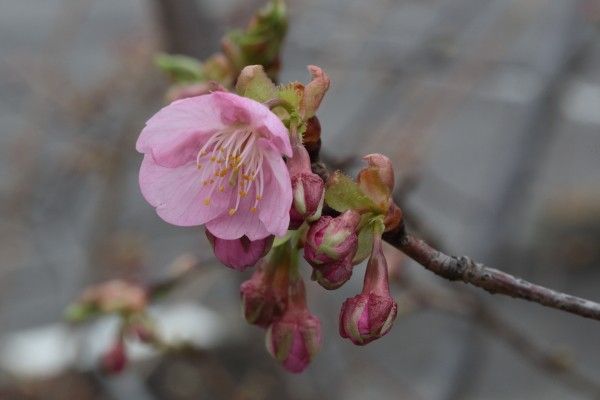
489,279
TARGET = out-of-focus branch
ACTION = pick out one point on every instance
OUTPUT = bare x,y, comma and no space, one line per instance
549,361
186,30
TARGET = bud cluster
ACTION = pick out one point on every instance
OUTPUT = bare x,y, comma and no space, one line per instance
274,298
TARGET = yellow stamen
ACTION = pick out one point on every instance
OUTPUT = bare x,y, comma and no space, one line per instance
232,211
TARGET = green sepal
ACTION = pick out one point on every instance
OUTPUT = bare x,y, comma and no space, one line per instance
344,194
370,225
279,240
254,83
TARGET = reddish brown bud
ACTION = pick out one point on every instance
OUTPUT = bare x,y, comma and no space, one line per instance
370,315
241,253
335,274
296,338
264,295
115,359
332,239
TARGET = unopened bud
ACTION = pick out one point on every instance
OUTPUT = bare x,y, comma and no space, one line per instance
114,360
332,239
296,338
264,295
308,189
241,253
370,315
335,274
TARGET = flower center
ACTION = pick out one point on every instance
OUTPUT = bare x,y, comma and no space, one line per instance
234,163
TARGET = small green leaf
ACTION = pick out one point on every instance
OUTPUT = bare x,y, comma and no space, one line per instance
344,194
181,69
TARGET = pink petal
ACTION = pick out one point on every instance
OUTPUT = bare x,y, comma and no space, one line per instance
243,222
178,130
242,110
178,194
274,208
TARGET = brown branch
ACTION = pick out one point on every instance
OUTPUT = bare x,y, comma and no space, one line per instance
477,274
491,280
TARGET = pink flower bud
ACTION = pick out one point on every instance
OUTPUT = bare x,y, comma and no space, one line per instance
370,315
382,166
264,295
239,253
335,274
116,296
294,340
296,337
115,359
332,239
308,189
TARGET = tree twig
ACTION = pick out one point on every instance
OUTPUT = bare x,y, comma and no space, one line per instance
491,280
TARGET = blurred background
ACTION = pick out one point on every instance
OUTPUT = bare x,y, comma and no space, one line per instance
489,109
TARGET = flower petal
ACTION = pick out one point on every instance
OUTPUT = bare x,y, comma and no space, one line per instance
178,193
274,208
242,110
243,222
178,130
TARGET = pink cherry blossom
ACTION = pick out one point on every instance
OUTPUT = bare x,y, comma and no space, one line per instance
216,160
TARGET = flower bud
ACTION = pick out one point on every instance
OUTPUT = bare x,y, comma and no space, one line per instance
294,340
241,253
370,315
115,359
333,275
296,337
332,239
308,189
315,91
116,296
381,165
264,295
